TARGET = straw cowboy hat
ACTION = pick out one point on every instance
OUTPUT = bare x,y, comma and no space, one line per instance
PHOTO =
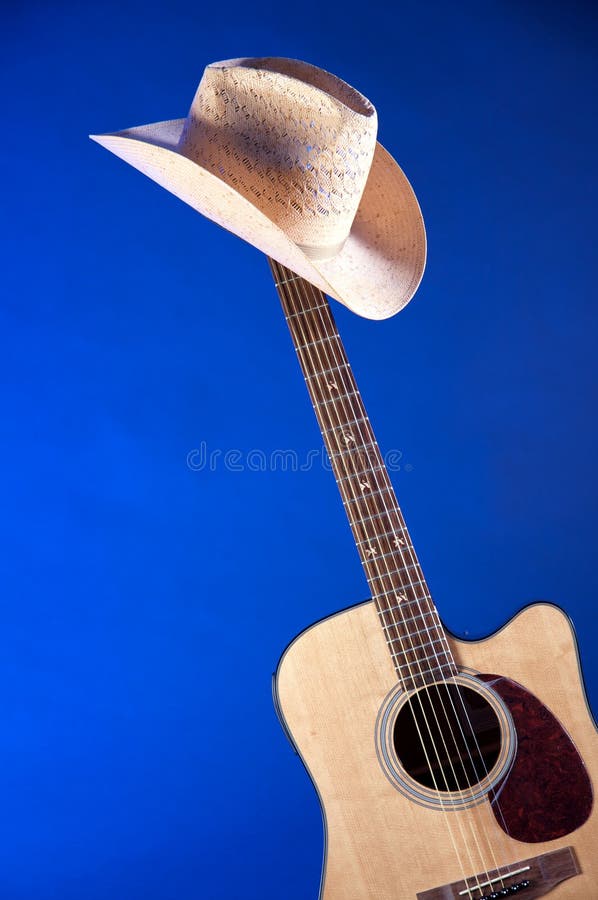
284,155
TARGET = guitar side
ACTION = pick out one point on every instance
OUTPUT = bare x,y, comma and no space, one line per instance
329,687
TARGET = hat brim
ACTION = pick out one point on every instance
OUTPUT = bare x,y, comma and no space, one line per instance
382,261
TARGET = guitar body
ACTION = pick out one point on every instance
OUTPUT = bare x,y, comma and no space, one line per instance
331,686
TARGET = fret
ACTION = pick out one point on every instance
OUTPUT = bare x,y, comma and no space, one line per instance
357,474
384,534
402,570
374,492
332,387
344,365
324,340
336,399
420,616
412,648
376,556
420,659
425,599
428,675
397,590
403,601
391,553
415,631
413,681
287,280
401,607
399,571
407,601
419,664
361,447
377,515
405,550
345,424
399,624
303,312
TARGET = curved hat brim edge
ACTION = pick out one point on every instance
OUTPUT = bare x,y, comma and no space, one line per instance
363,276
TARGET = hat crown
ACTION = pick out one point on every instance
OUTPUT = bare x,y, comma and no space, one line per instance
294,140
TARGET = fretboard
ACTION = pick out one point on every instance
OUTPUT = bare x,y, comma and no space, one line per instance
412,629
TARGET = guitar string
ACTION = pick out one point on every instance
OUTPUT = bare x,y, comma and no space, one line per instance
334,335
288,282
501,874
337,354
331,332
418,727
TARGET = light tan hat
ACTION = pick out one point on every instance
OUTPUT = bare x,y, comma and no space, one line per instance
284,155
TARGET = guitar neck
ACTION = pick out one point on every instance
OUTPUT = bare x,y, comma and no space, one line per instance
408,617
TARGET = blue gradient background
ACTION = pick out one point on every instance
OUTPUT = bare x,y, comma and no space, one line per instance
145,604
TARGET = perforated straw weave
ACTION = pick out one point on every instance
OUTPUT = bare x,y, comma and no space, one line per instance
284,154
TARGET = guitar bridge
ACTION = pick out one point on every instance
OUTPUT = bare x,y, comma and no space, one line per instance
529,878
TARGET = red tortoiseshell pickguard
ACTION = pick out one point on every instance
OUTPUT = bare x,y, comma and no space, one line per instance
548,793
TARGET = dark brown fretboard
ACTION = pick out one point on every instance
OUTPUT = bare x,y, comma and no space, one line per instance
410,622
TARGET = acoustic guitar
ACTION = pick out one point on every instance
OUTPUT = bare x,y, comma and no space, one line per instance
446,769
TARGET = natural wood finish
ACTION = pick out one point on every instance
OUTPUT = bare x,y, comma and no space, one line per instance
545,872
330,685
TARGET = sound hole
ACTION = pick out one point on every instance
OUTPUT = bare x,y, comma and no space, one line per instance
447,737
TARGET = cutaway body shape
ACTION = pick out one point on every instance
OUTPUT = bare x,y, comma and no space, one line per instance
383,843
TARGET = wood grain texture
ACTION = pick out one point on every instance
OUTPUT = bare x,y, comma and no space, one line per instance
330,685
